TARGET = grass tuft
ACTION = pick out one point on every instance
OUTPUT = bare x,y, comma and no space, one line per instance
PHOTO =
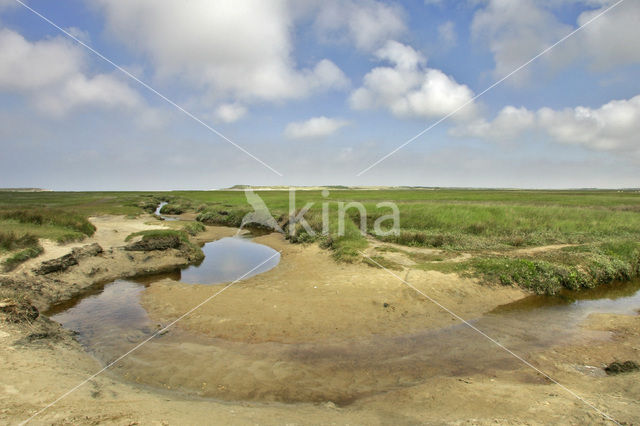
16,259
10,241
194,228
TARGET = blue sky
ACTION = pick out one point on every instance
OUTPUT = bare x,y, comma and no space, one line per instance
319,91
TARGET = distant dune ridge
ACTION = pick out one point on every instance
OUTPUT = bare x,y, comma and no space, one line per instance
318,188
23,190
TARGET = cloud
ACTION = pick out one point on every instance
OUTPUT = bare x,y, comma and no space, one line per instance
613,126
314,128
509,124
517,30
410,89
50,73
366,24
5,4
227,49
80,34
447,36
229,113
612,39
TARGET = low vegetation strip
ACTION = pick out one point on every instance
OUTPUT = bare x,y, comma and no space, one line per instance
21,256
487,225
59,225
574,268
10,241
65,219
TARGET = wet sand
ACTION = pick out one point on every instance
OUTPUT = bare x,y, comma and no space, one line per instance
310,297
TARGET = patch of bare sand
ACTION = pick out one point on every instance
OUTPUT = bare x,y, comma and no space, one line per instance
540,249
309,297
112,264
401,254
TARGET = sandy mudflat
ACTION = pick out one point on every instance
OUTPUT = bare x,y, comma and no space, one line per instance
306,299
309,297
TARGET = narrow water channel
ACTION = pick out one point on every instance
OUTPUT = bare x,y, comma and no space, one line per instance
160,215
112,321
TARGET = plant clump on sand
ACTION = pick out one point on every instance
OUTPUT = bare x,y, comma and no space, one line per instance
16,308
11,262
222,217
174,208
163,239
617,367
194,228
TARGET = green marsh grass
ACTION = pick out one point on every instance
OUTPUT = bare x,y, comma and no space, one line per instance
603,223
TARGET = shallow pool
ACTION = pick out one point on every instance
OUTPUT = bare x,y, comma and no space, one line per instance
111,321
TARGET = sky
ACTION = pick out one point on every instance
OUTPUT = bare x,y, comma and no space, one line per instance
209,94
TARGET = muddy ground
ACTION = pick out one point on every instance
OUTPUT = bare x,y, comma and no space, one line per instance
306,298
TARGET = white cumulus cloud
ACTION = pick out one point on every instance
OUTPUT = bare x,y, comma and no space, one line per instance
410,89
614,126
240,49
612,39
51,74
314,128
517,30
509,124
367,24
